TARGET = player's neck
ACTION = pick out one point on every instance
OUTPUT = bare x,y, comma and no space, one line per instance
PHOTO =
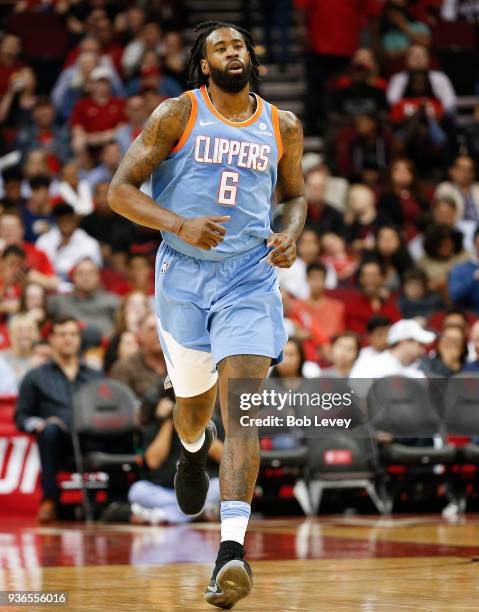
234,106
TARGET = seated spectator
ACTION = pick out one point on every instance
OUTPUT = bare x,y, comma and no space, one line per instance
322,217
133,309
463,281
33,302
66,244
44,134
362,218
462,188
101,29
121,345
144,368
399,29
407,342
443,251
37,214
140,274
23,334
36,166
12,274
152,498
12,190
319,316
96,118
136,116
336,255
420,127
365,58
393,255
402,202
44,407
371,299
38,267
364,145
377,337
10,62
294,365
417,58
18,102
473,365
150,76
149,38
72,82
88,303
75,191
344,352
450,355
174,58
110,158
293,279
416,300
112,231
443,212
359,97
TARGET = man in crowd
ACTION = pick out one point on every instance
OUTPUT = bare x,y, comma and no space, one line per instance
463,281
322,217
371,299
462,188
88,302
40,269
44,406
66,244
142,370
406,344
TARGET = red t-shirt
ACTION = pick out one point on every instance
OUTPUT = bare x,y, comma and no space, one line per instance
334,26
95,118
359,310
37,259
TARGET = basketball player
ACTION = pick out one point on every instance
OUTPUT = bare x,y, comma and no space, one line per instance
215,156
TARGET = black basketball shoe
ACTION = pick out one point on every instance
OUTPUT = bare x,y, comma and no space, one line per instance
191,480
232,577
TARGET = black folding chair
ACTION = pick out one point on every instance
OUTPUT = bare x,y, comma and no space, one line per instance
103,411
402,407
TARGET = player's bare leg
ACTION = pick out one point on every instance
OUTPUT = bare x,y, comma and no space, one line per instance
232,578
197,433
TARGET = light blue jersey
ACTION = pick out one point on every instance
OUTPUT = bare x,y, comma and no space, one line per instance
221,167
226,301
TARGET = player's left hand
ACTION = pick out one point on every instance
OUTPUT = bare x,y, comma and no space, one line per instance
284,253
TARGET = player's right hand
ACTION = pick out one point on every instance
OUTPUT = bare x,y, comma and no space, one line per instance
203,232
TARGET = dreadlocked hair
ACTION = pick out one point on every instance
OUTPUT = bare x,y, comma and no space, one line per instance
198,52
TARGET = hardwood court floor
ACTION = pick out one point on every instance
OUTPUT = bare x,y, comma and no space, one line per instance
363,564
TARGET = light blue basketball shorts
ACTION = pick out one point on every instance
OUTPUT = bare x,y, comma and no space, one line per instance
209,310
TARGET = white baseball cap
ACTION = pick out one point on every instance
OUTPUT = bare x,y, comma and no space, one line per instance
409,329
100,72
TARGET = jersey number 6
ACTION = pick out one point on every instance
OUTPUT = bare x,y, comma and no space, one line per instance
228,188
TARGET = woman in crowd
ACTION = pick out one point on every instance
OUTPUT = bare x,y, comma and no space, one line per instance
391,251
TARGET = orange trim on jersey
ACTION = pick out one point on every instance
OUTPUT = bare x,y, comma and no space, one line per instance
190,124
277,131
252,119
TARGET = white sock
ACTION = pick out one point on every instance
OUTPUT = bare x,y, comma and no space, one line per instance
234,520
194,447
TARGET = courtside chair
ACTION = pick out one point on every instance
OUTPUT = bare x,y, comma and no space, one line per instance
462,419
403,407
104,410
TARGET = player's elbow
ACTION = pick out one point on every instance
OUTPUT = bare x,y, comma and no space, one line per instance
114,197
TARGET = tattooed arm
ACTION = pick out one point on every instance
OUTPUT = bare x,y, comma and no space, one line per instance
160,135
290,189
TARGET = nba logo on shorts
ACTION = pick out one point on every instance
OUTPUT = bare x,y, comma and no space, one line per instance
164,267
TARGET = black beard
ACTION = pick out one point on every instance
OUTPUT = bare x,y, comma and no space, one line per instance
230,83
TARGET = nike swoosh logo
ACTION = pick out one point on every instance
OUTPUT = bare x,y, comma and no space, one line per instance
205,123
213,589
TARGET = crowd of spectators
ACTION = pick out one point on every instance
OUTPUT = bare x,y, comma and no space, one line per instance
393,201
